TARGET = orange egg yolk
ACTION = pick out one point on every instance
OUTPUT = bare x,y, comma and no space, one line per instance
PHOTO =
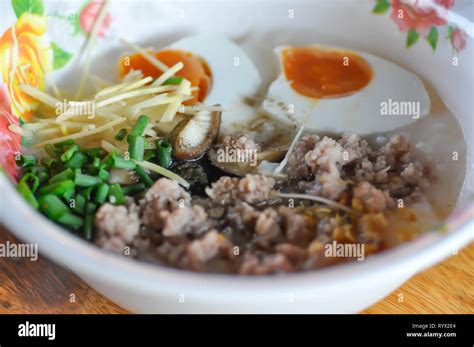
321,73
195,70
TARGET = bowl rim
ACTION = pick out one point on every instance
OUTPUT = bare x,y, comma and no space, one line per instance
85,258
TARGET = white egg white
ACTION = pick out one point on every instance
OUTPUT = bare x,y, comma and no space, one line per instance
234,76
367,111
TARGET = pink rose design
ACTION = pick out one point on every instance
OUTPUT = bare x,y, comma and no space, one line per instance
416,15
10,143
458,39
88,15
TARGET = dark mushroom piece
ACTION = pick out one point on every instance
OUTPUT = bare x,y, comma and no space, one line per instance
191,138
245,167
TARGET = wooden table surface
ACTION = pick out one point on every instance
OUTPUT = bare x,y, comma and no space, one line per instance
44,287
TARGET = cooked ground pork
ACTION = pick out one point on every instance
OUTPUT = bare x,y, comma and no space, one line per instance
325,161
236,155
184,220
242,227
392,168
298,228
268,227
255,188
210,246
164,196
251,188
373,199
224,191
117,227
239,142
268,264
355,147
296,255
297,167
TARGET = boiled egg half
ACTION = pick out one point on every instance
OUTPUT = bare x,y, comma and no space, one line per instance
234,77
335,90
219,69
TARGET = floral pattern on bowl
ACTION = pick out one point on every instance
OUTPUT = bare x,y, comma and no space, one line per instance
10,143
25,45
423,18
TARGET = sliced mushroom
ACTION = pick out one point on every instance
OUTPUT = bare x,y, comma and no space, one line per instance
192,137
273,154
234,168
243,168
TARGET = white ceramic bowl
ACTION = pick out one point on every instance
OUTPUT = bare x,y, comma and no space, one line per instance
142,287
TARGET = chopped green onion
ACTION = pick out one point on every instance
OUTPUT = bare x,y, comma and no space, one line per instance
47,162
27,161
149,154
56,165
40,172
89,169
93,152
136,146
69,193
163,149
49,149
69,153
134,189
35,170
116,196
69,142
120,163
143,176
58,188
70,220
34,178
108,161
121,134
79,204
43,176
105,165
101,193
77,160
90,207
173,80
96,162
140,125
84,180
103,175
52,206
26,192
67,174
86,193
76,177
87,230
